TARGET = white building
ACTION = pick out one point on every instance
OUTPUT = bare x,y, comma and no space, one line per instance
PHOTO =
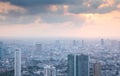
17,63
49,70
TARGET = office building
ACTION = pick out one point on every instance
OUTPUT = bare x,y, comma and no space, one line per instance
1,50
102,42
119,45
82,43
78,65
97,69
38,49
91,71
17,63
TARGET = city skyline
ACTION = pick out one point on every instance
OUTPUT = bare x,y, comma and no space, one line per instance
60,58
60,18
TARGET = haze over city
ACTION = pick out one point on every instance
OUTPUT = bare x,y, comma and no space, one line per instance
59,37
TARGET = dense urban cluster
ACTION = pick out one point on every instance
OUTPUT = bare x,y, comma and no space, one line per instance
64,57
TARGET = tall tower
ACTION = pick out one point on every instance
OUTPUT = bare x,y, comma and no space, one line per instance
97,69
82,43
119,45
102,42
78,65
17,63
1,50
38,49
49,70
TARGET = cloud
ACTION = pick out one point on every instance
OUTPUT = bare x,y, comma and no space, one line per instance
94,26
107,3
95,6
53,11
36,29
27,3
6,7
100,25
75,6
7,10
118,6
2,17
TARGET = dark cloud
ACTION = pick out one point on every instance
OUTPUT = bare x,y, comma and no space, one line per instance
105,10
93,7
76,6
9,20
42,8
52,18
27,3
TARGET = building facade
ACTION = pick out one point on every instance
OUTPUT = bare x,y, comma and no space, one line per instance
78,65
49,70
97,69
1,50
17,63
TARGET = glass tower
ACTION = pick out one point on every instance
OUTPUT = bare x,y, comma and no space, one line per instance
78,65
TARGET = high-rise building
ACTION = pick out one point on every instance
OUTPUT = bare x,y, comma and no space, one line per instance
119,45
49,70
17,63
78,65
1,50
75,42
91,73
38,49
102,42
97,69
82,43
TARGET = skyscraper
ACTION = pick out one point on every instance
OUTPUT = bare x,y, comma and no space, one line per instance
78,65
49,70
97,69
119,45
102,42
1,50
17,66
38,49
74,42
82,43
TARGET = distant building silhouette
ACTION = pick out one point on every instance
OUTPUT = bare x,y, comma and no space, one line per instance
102,42
78,65
17,64
82,43
74,42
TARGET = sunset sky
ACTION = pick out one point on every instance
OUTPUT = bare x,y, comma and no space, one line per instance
60,18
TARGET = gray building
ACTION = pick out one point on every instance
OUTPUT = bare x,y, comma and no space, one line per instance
119,45
17,66
38,49
1,50
78,65
49,70
97,69
102,42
